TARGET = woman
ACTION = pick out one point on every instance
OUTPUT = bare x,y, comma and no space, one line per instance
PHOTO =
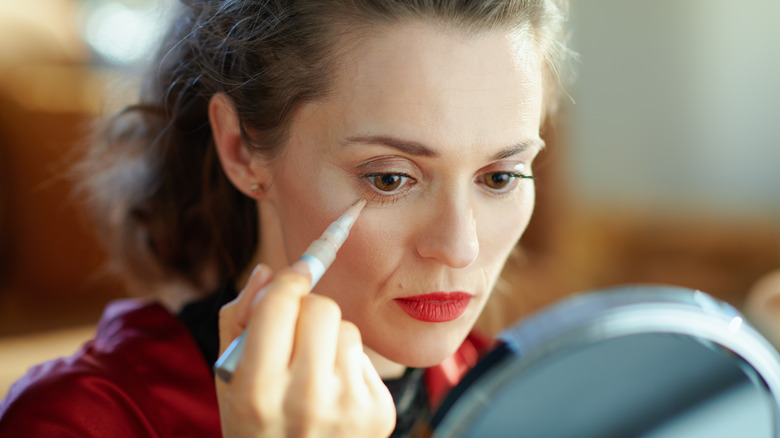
262,123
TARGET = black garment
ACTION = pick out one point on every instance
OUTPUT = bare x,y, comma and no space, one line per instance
411,401
202,319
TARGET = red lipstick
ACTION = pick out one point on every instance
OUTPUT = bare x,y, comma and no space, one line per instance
435,307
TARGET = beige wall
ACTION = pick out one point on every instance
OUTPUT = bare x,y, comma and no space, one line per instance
677,106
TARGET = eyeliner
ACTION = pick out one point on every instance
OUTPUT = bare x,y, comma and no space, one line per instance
319,256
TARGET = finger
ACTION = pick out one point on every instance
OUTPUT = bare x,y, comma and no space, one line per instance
349,360
271,329
374,383
316,337
234,316
298,268
385,416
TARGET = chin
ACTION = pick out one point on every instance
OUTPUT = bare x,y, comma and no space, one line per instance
420,350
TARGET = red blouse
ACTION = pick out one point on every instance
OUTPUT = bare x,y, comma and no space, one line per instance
144,376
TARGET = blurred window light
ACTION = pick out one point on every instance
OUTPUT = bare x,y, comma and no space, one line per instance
123,33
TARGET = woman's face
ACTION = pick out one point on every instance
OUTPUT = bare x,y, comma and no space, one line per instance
437,130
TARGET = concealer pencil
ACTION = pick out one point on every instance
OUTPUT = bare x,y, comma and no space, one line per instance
319,256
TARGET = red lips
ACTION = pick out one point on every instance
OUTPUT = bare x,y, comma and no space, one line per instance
435,307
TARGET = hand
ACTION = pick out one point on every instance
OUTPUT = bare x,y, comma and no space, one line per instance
303,371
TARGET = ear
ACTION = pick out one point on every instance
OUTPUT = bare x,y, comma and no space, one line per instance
244,169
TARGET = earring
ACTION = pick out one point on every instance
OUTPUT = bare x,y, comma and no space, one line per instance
254,188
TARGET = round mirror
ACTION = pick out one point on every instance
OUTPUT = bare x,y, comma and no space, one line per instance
646,361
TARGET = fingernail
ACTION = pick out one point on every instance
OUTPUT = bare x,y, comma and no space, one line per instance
260,274
301,267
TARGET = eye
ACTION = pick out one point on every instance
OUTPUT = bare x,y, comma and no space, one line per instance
497,180
387,182
502,181
387,179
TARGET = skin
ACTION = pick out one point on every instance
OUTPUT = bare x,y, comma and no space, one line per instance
304,372
440,124
763,305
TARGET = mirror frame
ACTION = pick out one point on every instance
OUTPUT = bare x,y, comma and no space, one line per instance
602,315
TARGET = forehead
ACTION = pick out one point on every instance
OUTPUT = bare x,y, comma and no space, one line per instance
412,76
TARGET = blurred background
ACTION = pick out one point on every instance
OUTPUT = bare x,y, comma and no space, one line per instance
661,166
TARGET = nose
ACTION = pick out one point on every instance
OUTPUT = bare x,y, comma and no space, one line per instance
450,233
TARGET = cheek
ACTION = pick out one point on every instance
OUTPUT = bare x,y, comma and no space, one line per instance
302,219
501,226
374,249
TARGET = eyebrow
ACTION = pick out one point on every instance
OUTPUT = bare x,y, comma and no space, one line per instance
408,147
420,150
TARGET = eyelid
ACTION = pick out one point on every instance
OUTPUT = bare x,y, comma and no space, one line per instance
387,165
518,169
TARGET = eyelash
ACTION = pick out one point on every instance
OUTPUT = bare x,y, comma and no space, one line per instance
510,186
373,194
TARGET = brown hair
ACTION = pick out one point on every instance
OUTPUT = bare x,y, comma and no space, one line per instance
164,206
